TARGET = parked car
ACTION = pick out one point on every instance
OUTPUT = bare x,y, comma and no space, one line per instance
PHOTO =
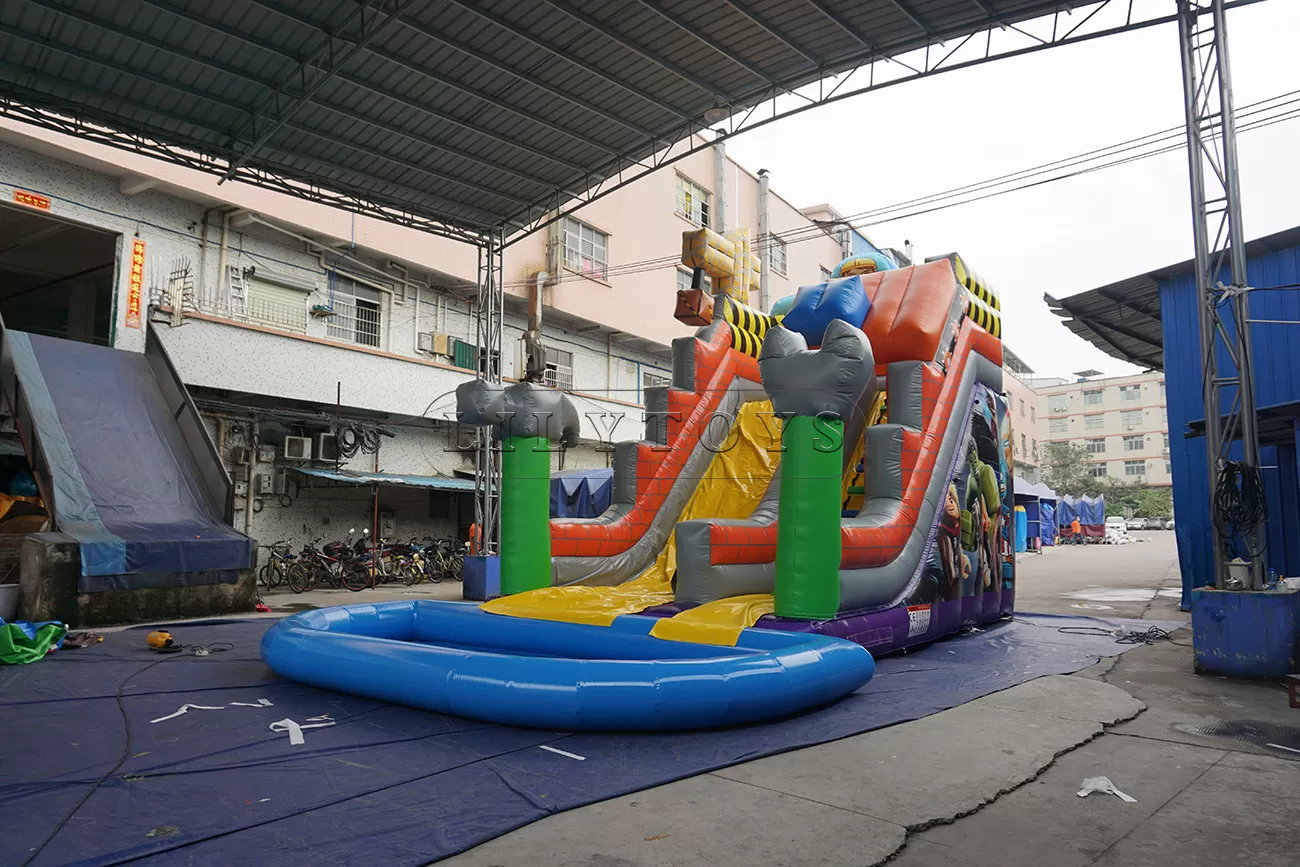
1116,531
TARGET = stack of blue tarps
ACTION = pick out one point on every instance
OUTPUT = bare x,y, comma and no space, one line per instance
581,493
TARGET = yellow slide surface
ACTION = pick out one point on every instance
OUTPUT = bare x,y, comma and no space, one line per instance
717,622
731,487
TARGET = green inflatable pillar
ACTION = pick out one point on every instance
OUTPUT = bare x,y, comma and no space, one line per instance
808,528
525,514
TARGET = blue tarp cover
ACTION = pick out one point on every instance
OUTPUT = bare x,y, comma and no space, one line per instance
125,484
386,784
581,493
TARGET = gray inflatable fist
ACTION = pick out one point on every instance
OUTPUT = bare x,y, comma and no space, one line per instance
829,382
520,410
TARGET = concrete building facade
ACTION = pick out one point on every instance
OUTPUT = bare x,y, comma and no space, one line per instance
1120,421
289,319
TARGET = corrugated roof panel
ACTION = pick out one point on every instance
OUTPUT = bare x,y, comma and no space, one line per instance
511,99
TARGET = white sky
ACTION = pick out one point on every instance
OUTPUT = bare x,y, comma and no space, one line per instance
927,136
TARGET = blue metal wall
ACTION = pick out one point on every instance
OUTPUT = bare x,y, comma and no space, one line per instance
1277,380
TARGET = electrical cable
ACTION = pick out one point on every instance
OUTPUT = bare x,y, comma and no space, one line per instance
1239,506
1149,636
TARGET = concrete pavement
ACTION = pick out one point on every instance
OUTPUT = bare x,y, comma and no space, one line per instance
914,794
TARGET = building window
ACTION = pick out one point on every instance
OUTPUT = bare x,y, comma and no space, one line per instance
1130,393
1092,397
684,281
826,273
1131,419
1134,443
1169,468
1162,388
1097,471
1058,403
279,306
1034,444
357,311
1058,425
1032,413
1094,422
1097,447
1166,443
1135,468
777,248
654,379
559,369
1024,445
692,201
1022,407
586,249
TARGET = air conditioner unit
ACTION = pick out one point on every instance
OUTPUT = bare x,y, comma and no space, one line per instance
297,448
327,447
263,483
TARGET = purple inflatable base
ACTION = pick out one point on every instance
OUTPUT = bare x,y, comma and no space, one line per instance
889,629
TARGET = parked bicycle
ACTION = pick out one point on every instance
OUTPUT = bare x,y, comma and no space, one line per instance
275,570
335,564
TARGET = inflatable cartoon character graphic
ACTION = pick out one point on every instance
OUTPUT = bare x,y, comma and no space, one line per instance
955,566
980,513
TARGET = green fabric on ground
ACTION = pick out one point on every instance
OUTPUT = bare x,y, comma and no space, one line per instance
16,648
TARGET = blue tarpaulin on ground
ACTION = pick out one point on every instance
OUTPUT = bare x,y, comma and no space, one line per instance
581,493
123,481
97,764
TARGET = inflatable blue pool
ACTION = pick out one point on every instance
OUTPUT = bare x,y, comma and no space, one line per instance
452,657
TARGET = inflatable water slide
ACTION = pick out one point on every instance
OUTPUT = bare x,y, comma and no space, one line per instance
822,481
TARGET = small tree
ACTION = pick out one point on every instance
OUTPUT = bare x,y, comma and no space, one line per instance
1065,469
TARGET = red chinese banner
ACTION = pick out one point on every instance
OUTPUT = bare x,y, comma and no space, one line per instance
31,200
136,281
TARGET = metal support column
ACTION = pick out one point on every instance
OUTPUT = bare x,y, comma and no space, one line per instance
1220,253
487,467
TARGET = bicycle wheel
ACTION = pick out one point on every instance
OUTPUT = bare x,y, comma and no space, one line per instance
279,572
299,577
458,567
411,573
435,567
264,576
354,576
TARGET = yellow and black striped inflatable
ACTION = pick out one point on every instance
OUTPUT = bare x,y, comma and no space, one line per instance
983,305
748,326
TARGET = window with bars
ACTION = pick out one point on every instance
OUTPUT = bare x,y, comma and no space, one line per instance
1169,468
692,201
1094,422
684,281
1130,393
586,249
1058,403
1134,443
1093,396
1131,419
1135,468
559,369
1034,448
654,379
1162,387
778,255
1097,471
358,311
1024,444
1097,447
1058,425
1166,443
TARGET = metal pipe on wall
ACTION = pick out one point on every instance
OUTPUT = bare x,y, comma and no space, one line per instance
221,298
719,183
764,244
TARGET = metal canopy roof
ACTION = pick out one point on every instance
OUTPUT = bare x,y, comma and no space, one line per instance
1122,319
462,115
